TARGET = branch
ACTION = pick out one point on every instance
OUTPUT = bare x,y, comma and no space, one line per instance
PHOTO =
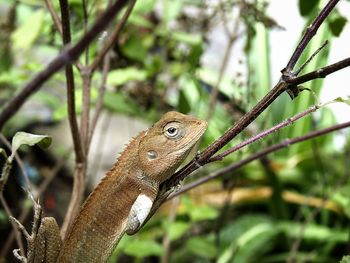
55,18
101,92
319,73
9,214
309,34
111,40
67,56
72,117
259,136
260,154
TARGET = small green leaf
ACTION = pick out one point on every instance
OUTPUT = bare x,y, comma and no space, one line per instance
337,24
187,38
144,6
24,138
172,9
134,48
143,248
344,100
306,6
345,259
118,102
183,106
202,247
122,76
177,229
203,213
28,32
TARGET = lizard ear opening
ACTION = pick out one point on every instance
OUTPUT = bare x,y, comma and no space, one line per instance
152,155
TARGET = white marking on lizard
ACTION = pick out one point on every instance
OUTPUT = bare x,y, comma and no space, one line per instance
138,213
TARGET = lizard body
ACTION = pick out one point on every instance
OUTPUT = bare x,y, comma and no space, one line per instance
122,201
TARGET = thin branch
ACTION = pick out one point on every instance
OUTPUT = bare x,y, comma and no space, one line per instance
309,34
259,136
9,214
111,40
75,200
319,73
85,29
101,92
310,58
86,75
67,56
78,149
260,154
232,37
56,20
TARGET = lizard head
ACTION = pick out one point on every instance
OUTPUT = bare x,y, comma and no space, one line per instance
167,143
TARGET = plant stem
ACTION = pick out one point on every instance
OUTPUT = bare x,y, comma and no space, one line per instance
67,56
309,34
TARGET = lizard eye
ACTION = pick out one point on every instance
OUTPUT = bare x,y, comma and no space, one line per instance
172,130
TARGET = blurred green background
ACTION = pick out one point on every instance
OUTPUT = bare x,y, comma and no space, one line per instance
291,206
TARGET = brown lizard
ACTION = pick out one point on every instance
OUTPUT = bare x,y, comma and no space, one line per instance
124,198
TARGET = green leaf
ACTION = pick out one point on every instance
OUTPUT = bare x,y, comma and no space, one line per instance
118,102
122,76
24,138
337,24
144,6
183,105
344,100
187,38
306,6
134,49
202,247
204,212
172,9
25,35
143,248
177,229
345,259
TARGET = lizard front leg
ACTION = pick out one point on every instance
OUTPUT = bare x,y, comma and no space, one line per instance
142,206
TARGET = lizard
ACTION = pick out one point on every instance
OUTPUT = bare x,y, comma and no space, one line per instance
122,201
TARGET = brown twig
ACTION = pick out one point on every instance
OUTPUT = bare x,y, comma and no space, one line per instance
66,56
72,117
232,37
101,92
319,73
85,13
309,34
111,40
56,20
259,136
17,233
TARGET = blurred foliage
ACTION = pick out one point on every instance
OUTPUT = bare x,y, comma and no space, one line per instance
157,65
